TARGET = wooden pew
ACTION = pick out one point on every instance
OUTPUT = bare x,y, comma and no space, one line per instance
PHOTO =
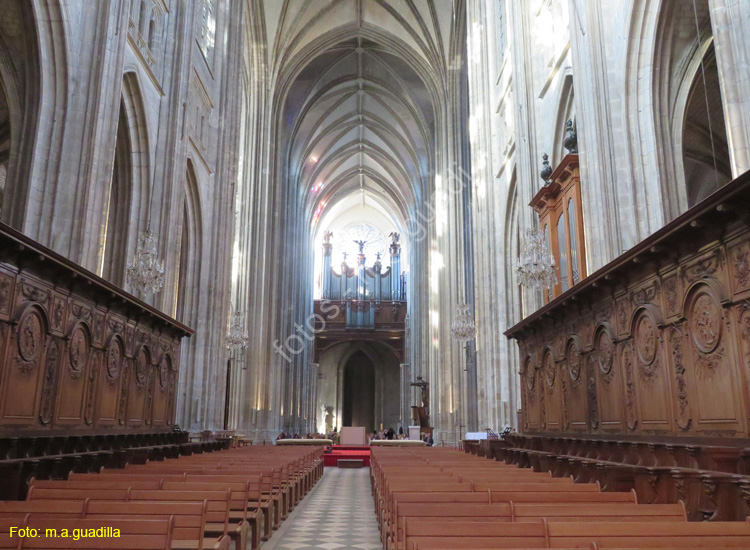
511,512
152,534
244,504
427,534
189,520
217,510
6,541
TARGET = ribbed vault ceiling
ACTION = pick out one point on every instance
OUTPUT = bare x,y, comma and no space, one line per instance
359,112
357,117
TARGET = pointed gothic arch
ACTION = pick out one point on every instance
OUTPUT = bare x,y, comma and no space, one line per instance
127,204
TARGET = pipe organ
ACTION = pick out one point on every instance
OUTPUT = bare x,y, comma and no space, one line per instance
361,287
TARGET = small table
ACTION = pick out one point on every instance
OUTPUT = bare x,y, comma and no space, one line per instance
350,463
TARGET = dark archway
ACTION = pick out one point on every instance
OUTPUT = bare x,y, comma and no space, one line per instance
118,212
4,141
359,392
704,140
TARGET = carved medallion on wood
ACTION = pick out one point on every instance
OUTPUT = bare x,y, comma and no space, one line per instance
30,341
549,372
114,360
705,322
573,360
706,326
604,354
141,368
647,345
78,352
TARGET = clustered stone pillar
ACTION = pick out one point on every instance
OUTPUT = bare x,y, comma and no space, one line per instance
312,397
396,286
405,394
327,248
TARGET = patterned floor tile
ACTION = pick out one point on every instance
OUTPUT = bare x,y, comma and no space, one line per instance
337,515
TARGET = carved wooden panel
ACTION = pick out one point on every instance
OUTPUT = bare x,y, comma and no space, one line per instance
161,392
574,385
660,347
608,379
649,375
712,363
137,392
23,373
77,357
74,376
109,383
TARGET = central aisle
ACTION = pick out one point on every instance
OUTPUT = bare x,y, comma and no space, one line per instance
337,514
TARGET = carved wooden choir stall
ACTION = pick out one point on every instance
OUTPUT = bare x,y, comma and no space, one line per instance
639,376
80,360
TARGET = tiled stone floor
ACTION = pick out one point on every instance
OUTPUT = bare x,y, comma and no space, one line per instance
337,514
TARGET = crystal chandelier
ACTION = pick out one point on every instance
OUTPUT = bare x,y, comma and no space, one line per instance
237,337
536,266
145,274
462,327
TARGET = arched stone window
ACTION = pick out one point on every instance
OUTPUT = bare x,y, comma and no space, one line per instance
4,141
705,151
118,209
151,34
143,17
190,251
129,185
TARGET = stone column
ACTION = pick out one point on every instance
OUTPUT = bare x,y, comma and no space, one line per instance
312,398
405,394
326,290
730,23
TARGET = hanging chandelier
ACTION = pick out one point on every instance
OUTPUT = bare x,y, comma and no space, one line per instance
536,266
237,337
462,327
145,274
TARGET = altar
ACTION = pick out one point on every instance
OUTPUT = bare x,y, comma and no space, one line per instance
353,435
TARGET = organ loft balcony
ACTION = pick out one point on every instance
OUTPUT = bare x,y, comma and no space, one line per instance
361,303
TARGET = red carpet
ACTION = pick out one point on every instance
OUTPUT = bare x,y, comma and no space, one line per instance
344,451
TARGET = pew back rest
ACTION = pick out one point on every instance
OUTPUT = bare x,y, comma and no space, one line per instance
64,508
149,534
217,510
126,476
37,493
599,512
6,541
436,534
238,495
95,484
562,497
612,535
189,517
